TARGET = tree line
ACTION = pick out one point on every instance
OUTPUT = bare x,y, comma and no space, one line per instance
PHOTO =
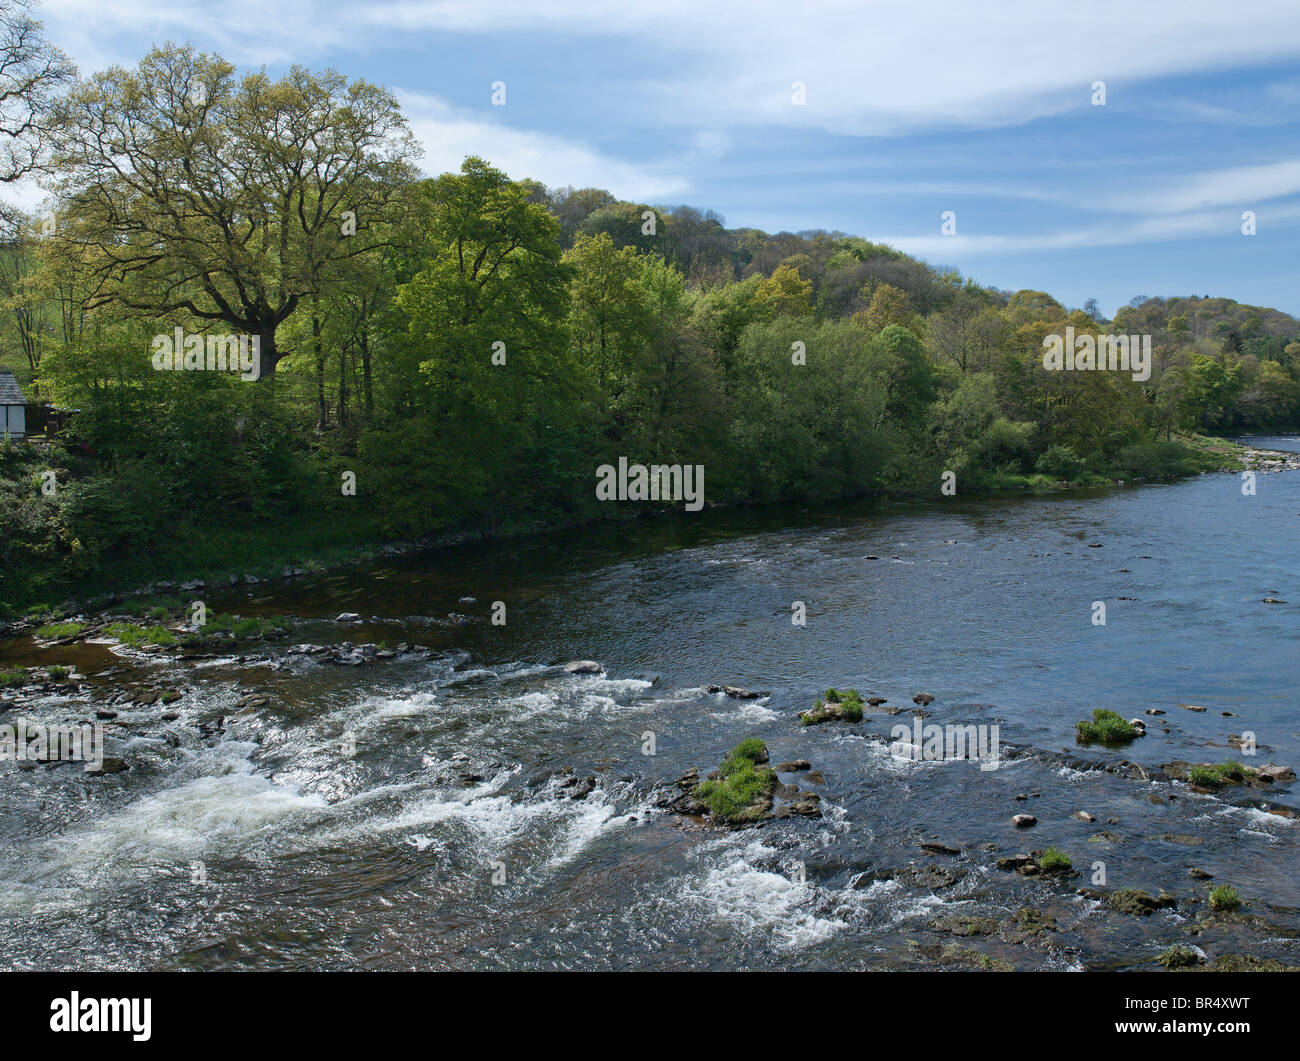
469,348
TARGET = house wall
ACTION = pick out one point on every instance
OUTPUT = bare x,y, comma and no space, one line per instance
14,422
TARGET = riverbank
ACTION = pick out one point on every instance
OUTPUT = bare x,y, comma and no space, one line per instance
255,554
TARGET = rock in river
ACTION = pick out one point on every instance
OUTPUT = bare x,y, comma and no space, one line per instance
583,666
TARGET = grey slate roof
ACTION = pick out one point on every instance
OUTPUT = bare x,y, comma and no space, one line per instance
9,392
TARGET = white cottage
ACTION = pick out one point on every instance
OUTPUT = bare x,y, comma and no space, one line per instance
13,408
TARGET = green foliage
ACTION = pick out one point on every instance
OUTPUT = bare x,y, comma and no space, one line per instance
1060,462
802,367
135,636
835,705
1106,727
1219,774
742,790
1054,860
12,678
1224,897
54,631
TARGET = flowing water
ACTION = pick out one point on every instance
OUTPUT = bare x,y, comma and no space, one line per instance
413,812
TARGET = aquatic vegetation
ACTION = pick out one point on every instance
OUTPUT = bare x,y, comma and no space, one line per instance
135,636
742,789
835,705
1106,727
1224,898
1179,957
1054,860
1219,774
54,631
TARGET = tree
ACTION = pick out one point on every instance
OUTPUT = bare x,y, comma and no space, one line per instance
608,319
31,71
227,201
487,317
890,305
785,293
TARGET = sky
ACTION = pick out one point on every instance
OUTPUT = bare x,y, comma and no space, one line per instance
908,110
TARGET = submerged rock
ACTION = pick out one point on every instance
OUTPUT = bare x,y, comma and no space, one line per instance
577,787
734,691
108,765
1136,902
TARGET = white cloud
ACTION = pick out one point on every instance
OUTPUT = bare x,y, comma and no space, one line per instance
870,68
448,136
1223,224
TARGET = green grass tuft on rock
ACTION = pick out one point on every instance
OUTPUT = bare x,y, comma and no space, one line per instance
1106,727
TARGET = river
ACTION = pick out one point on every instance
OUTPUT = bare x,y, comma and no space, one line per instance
417,812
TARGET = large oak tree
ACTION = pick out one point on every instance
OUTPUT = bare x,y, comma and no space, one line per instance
186,191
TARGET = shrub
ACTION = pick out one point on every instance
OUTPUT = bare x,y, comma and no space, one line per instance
1060,462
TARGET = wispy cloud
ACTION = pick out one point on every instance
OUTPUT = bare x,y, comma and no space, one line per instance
870,68
449,134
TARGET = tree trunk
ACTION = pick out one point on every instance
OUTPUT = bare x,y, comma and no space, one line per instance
268,353
367,389
343,385
320,372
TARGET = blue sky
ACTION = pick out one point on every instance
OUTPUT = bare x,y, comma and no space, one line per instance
912,109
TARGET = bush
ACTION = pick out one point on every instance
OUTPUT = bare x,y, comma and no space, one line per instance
1106,727
1060,462
1154,460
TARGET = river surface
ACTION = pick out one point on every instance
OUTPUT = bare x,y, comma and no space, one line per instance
412,812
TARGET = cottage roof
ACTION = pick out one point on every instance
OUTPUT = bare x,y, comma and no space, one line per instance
10,394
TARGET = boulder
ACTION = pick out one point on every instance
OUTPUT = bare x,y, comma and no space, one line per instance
583,666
